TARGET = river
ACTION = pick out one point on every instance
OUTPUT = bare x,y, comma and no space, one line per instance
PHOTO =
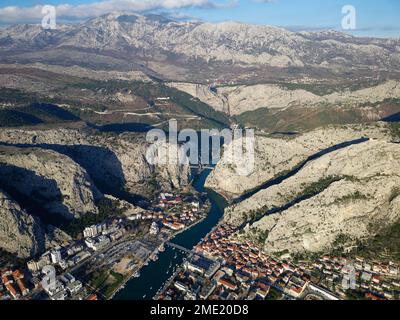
153,276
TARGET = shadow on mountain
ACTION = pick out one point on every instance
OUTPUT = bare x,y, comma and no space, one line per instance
297,168
123,127
14,118
392,118
50,112
102,165
34,114
34,193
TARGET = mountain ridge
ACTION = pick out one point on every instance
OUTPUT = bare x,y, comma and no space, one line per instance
186,47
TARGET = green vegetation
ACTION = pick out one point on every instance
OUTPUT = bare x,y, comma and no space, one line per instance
385,245
254,215
107,209
16,97
113,283
274,294
395,129
357,195
34,114
319,186
262,237
149,91
106,282
322,89
14,118
299,118
7,258
98,279
340,241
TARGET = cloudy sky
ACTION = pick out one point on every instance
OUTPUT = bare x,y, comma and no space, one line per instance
374,17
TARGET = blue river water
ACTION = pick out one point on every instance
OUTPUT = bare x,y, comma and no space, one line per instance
155,274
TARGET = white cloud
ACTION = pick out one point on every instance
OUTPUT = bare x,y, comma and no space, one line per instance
15,14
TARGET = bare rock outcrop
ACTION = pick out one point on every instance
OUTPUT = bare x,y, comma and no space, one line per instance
274,155
357,194
49,179
115,161
20,233
235,100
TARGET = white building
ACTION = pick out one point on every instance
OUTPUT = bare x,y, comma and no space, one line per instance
55,256
154,229
97,243
94,230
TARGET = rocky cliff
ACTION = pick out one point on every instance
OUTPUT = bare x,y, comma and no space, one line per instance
55,176
335,200
50,179
277,155
20,233
113,161
235,100
186,50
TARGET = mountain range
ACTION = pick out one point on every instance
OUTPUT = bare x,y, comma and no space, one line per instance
202,51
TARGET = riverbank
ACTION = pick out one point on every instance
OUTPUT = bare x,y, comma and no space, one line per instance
149,260
157,273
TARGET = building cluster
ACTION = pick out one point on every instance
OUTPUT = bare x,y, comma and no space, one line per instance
371,280
245,272
171,211
235,271
12,285
96,237
179,213
249,271
169,199
63,287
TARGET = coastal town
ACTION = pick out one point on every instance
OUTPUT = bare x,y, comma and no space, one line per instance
222,268
105,256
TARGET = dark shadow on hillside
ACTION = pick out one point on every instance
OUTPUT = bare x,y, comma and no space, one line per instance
102,165
392,118
33,192
123,127
51,111
287,175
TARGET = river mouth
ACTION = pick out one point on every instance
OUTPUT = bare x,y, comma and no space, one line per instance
155,274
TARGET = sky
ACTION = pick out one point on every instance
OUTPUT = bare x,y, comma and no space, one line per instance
378,18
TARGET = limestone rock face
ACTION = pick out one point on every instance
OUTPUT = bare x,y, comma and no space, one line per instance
115,161
274,156
235,100
162,41
49,179
363,197
20,233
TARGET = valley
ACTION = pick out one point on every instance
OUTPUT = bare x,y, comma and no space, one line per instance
79,193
